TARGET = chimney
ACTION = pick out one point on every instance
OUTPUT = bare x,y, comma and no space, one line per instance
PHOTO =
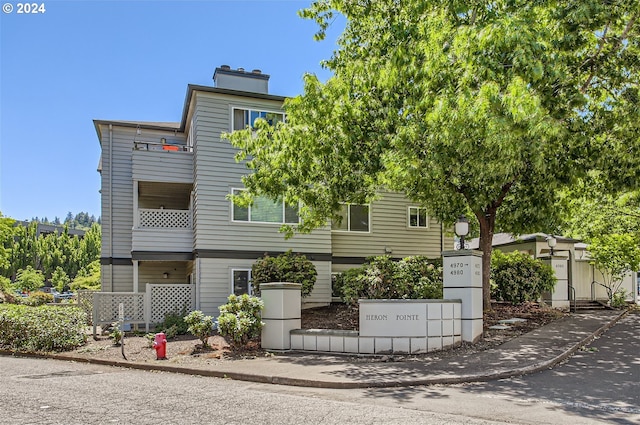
255,81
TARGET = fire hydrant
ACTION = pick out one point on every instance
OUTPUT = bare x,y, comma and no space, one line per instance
160,345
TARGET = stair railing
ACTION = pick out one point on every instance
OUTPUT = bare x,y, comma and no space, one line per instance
593,289
572,298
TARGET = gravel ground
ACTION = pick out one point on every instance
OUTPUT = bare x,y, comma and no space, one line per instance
187,350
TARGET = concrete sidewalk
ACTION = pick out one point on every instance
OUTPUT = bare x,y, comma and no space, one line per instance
538,350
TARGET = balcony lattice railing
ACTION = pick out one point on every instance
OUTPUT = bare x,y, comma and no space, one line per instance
164,219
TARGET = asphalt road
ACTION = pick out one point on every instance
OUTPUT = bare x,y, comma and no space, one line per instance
36,391
600,384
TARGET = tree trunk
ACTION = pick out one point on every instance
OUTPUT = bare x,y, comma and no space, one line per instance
487,223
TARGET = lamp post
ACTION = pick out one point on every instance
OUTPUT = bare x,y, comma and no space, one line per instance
551,241
462,229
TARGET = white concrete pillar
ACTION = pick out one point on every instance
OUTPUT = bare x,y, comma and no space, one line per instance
559,298
462,279
281,314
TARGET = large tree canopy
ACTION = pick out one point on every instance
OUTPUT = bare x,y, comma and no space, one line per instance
478,107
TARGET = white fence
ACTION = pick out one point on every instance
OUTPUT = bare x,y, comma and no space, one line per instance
164,219
165,299
144,308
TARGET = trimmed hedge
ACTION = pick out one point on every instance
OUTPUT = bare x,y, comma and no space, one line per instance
287,267
44,328
382,277
517,277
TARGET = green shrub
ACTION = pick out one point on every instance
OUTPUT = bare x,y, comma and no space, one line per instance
116,333
173,324
150,338
44,328
200,326
37,298
384,278
7,294
517,277
29,279
287,267
239,319
619,299
87,278
344,281
60,279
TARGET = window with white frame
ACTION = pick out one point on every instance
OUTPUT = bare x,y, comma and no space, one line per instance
241,281
355,218
243,118
264,210
417,217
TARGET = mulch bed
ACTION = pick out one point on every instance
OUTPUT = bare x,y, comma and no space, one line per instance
187,350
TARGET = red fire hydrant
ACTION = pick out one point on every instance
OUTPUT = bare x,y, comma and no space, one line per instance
160,345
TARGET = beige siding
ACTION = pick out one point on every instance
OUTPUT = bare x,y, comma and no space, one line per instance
117,166
322,289
389,230
152,272
163,166
163,240
584,273
215,282
216,173
122,278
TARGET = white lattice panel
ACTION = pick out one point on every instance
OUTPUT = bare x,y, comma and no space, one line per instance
85,302
165,219
165,298
105,307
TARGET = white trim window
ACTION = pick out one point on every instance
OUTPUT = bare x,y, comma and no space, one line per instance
264,210
417,218
241,281
244,117
355,218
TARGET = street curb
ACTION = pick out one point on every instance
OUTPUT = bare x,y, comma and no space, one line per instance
281,380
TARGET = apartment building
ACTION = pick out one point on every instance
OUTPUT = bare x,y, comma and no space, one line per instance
166,217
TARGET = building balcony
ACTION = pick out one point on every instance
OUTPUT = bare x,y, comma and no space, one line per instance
156,162
162,230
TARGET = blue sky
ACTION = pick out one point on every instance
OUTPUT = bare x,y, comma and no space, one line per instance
130,60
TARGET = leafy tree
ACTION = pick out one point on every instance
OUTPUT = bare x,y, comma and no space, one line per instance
46,253
479,107
615,255
88,277
24,250
609,221
7,232
29,279
594,209
90,245
60,279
